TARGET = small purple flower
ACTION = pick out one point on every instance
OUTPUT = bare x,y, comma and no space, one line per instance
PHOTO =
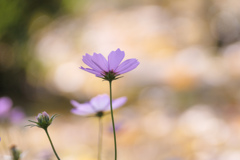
97,105
111,69
5,105
13,115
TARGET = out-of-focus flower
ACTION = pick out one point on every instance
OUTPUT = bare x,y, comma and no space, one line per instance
45,155
111,69
5,105
14,115
43,120
97,105
118,127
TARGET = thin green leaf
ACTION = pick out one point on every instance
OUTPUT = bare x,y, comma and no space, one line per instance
33,121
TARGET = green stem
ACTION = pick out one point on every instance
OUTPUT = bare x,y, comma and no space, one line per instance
114,132
100,139
52,144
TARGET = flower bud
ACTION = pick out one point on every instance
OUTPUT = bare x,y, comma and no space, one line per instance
43,120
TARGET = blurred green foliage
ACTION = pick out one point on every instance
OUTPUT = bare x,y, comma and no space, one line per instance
16,16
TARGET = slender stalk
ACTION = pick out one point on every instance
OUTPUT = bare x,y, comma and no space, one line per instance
114,132
52,144
100,139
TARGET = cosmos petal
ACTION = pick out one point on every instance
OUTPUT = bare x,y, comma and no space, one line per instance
117,103
127,66
80,112
100,61
100,102
84,108
97,73
87,59
115,58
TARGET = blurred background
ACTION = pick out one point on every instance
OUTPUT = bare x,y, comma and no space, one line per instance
183,98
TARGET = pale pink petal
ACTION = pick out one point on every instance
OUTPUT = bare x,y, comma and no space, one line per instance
100,102
84,108
98,74
127,66
117,103
100,61
38,116
45,114
115,58
87,59
80,112
5,105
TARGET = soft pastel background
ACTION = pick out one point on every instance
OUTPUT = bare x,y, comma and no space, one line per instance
183,98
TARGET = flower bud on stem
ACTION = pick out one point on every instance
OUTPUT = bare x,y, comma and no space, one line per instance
43,121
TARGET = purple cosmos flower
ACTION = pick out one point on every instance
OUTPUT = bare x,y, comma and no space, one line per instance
97,105
109,70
